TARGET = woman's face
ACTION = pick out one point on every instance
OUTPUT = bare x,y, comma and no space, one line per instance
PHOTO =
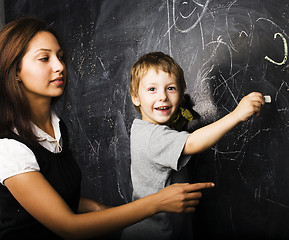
42,70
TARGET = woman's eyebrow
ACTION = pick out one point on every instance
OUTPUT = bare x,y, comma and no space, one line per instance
47,50
43,49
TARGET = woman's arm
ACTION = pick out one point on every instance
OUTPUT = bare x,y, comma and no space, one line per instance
39,198
209,135
88,205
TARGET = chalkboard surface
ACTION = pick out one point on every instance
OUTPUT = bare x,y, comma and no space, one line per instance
227,49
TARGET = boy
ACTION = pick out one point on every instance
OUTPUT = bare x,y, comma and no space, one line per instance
159,153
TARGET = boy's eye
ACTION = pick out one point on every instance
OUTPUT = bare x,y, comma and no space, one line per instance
151,89
171,88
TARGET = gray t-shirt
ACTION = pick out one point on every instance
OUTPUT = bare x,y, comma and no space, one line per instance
156,162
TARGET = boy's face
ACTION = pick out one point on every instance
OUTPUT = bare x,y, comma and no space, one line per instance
158,96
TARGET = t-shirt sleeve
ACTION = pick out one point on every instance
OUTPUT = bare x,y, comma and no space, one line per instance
166,146
15,158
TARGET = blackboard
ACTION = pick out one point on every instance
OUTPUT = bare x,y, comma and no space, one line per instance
227,49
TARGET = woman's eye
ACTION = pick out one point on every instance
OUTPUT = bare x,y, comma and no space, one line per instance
44,59
61,58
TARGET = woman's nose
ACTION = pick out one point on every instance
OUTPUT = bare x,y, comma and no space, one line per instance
58,65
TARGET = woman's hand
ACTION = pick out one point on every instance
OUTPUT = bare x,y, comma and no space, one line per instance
181,197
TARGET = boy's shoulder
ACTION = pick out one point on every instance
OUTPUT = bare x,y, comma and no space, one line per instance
146,130
142,124
142,127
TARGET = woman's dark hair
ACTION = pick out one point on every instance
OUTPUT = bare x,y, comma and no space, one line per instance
15,112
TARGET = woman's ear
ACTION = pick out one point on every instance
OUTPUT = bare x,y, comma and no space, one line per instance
135,100
18,78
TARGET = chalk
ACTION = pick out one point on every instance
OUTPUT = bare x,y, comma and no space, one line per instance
267,99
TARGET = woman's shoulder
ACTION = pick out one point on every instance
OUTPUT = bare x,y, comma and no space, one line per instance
15,158
8,145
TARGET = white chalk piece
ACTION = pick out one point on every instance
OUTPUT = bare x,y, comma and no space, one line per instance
267,99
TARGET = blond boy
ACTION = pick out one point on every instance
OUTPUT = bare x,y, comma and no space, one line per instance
159,153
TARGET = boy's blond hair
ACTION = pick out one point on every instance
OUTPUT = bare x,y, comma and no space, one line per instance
158,61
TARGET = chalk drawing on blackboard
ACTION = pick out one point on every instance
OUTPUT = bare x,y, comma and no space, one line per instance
184,6
285,50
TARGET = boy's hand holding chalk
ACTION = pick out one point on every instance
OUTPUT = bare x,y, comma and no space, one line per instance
249,105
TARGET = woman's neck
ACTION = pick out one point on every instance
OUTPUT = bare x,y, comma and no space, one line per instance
41,116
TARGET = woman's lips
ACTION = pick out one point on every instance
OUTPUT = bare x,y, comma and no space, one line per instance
58,81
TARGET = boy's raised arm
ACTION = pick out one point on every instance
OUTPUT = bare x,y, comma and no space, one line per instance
209,135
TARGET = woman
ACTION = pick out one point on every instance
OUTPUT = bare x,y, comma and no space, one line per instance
40,180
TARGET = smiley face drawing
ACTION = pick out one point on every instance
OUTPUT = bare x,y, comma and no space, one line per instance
188,14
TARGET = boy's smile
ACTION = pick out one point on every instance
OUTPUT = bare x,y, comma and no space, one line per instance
158,96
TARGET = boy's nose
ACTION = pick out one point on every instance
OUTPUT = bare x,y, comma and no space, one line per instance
163,96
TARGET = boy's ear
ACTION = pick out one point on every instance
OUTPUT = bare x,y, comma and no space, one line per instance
135,100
